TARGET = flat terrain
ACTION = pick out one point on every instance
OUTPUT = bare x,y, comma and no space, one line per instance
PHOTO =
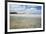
18,22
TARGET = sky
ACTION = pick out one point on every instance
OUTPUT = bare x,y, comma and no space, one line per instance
25,8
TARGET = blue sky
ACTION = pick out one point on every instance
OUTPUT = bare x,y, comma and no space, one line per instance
25,8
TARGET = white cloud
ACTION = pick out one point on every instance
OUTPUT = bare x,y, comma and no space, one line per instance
21,9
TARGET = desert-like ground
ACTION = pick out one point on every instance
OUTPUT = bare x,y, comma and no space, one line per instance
18,22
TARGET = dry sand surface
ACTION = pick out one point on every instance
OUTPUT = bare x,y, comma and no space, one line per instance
18,22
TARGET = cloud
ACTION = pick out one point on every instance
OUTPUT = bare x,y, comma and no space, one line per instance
24,8
33,10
